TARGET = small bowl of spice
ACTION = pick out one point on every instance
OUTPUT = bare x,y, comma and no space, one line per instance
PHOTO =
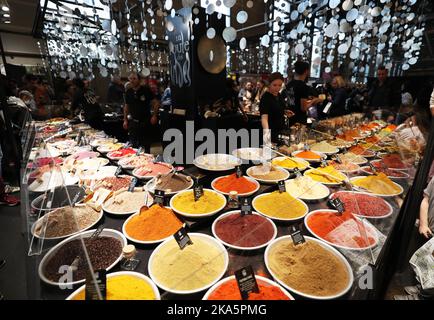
104,252
244,186
124,285
227,289
66,221
247,232
151,225
312,269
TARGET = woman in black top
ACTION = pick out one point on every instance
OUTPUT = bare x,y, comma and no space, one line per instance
272,108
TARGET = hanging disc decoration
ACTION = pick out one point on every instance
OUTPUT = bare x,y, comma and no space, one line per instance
212,54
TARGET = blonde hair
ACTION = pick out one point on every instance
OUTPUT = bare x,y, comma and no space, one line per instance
339,81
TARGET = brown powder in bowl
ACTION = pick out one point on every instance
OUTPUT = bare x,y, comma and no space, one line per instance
308,268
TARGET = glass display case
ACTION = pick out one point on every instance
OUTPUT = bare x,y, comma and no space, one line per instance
336,212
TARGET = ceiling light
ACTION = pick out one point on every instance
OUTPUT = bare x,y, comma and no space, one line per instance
5,8
6,15
7,21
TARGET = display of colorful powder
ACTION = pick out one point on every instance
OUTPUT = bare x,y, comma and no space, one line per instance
378,184
209,202
121,153
124,287
308,155
153,169
359,150
393,161
280,205
363,204
233,183
155,223
230,291
308,268
327,174
196,266
47,161
290,163
344,230
244,231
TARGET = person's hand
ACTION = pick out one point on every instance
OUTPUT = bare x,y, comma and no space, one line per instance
154,120
425,231
125,125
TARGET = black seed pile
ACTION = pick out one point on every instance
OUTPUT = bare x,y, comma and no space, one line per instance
103,251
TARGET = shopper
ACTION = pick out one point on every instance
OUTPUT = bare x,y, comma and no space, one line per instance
116,91
140,113
297,93
85,100
246,96
338,97
426,213
261,88
380,94
272,109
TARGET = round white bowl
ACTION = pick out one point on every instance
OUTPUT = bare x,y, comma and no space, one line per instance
237,247
203,215
122,273
325,246
204,237
275,218
257,185
106,232
367,226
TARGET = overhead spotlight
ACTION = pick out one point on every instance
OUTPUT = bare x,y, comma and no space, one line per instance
6,15
5,8
7,21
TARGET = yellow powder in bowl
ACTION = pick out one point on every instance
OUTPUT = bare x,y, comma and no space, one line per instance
196,266
125,287
280,205
290,163
326,175
209,202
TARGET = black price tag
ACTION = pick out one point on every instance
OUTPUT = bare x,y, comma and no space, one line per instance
323,163
79,136
97,232
197,190
246,281
306,147
344,150
139,151
75,199
182,238
246,206
347,185
159,197
238,171
92,288
159,158
282,186
374,170
118,171
132,184
297,237
338,204
297,172
337,159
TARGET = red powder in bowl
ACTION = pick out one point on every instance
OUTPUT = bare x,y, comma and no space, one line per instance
229,291
244,231
369,206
